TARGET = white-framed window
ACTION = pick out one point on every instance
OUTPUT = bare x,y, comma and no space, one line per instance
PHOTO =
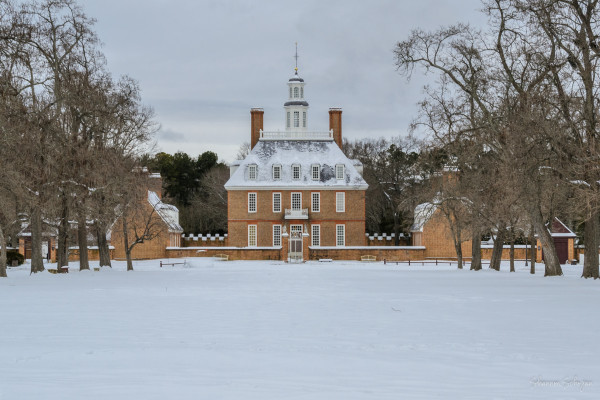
315,235
304,119
296,92
296,119
276,172
252,202
252,235
301,92
295,228
339,171
287,121
315,172
290,92
296,201
340,235
252,172
276,235
276,202
340,202
315,202
295,171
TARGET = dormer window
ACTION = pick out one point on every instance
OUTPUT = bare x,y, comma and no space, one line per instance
276,172
315,172
296,172
252,172
296,93
339,171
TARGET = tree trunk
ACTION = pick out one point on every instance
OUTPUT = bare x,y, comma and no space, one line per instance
459,255
512,250
126,244
551,263
62,250
497,251
82,243
476,251
590,261
37,261
2,254
532,251
103,250
396,229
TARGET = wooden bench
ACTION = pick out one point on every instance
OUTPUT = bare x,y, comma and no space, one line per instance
172,264
325,260
368,258
62,270
221,257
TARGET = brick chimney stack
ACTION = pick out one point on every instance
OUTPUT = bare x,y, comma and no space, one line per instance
335,124
256,125
155,183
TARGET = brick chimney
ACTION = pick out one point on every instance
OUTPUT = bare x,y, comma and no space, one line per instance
256,125
335,124
155,183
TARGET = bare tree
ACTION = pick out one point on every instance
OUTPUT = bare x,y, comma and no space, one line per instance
499,74
572,27
139,220
72,118
243,151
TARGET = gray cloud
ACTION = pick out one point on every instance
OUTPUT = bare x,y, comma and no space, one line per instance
203,64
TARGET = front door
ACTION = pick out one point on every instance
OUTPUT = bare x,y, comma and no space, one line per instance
295,254
562,249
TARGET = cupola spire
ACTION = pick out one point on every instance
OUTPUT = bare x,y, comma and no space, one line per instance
296,108
296,57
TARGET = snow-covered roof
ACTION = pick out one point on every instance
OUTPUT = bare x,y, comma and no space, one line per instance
559,229
296,78
423,212
48,230
304,153
167,212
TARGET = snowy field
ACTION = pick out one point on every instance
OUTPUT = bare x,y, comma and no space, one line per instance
268,330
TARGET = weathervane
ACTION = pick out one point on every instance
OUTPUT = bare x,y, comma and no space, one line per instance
296,57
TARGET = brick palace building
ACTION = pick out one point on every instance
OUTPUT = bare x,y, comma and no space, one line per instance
296,190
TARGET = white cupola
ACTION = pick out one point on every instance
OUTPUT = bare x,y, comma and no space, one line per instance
296,108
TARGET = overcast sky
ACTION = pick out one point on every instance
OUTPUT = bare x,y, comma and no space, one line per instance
203,64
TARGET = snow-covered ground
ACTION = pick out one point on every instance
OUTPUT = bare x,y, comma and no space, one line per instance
269,330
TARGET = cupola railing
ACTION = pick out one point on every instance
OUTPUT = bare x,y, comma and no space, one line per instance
296,135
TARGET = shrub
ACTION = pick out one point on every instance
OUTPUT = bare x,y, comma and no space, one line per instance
14,255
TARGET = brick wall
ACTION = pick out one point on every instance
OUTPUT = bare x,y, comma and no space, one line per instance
93,254
389,253
520,253
343,253
437,238
155,248
264,217
234,254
